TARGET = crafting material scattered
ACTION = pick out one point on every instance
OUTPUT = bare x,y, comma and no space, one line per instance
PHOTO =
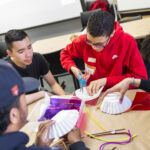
85,96
65,121
111,104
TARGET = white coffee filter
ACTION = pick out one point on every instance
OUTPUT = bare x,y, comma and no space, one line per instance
85,96
65,122
111,104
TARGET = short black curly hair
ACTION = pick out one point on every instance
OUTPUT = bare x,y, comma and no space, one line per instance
101,23
145,48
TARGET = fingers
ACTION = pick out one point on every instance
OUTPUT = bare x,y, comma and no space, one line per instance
87,75
105,93
93,88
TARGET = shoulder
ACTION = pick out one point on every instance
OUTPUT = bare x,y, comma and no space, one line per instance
38,57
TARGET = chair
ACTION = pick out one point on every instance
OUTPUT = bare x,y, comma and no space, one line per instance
85,16
57,70
2,50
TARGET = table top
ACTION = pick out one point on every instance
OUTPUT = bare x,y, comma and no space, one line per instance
138,28
54,44
137,122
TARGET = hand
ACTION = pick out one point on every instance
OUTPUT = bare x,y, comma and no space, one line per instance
86,75
42,136
75,71
95,86
74,135
121,87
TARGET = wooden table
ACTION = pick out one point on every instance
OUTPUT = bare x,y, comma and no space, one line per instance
138,28
51,45
138,122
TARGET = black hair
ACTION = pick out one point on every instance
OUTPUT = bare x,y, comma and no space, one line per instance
145,48
100,23
4,115
14,35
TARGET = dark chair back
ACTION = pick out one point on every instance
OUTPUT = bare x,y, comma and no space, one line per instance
85,16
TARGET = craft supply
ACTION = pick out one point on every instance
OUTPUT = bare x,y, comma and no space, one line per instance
82,81
57,104
105,140
65,120
85,96
124,142
111,104
87,110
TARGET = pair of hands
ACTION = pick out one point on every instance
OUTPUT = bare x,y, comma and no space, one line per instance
42,137
94,86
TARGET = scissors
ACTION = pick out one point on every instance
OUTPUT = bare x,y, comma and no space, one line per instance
82,81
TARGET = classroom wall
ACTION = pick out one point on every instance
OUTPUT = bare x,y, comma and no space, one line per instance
23,14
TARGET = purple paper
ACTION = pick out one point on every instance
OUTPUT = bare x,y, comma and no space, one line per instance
58,104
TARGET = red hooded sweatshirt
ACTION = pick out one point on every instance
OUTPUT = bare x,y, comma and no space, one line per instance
118,60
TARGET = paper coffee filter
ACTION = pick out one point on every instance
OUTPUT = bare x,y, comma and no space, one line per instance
111,104
85,96
65,121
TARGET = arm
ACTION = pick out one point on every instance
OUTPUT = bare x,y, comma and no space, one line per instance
74,138
72,51
30,98
123,86
133,66
56,88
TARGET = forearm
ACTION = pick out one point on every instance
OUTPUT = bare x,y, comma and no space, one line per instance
30,98
111,81
134,82
57,89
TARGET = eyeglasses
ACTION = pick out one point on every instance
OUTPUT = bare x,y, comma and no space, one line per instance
97,45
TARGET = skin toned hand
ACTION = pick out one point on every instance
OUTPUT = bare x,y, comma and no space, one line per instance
94,86
74,135
42,137
76,71
122,87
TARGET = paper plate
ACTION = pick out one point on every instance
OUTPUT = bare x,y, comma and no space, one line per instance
111,104
85,96
65,122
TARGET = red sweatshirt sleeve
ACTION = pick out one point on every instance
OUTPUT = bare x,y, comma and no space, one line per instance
72,51
134,66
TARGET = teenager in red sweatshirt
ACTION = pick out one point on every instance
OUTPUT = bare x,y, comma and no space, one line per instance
109,54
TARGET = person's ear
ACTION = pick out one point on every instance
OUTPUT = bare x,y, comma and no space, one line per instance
9,52
14,116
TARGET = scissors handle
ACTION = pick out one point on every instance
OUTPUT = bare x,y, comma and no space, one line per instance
82,82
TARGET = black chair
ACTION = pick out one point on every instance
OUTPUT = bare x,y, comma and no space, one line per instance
85,16
2,50
57,70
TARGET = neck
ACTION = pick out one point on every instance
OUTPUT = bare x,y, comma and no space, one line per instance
16,63
11,128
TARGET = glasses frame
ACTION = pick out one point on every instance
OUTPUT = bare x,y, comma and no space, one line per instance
97,45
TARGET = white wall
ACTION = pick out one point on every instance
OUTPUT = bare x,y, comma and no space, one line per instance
20,14
127,5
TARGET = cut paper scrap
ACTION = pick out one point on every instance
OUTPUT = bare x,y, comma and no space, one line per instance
142,98
65,121
111,104
60,103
